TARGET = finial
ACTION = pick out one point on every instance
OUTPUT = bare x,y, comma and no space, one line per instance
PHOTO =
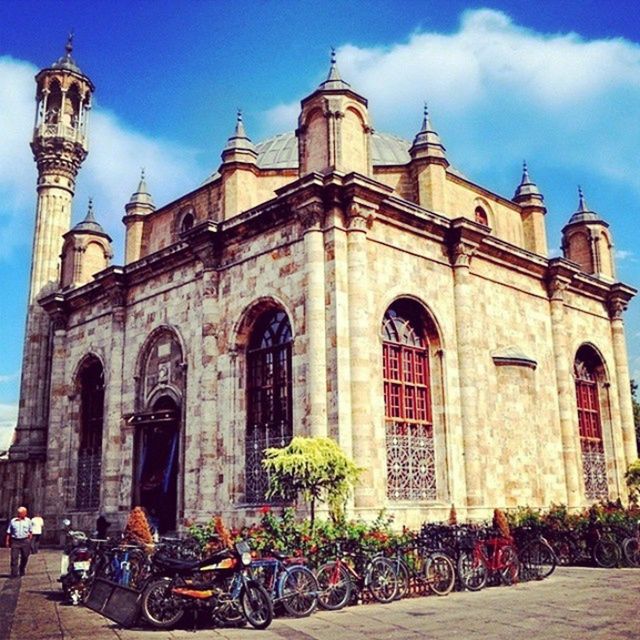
525,173
426,122
141,174
334,74
582,204
90,217
69,46
333,55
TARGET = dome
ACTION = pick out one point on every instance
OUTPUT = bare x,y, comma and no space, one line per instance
281,152
66,61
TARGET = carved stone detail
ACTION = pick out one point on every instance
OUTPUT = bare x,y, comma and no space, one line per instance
461,254
556,287
360,217
616,307
311,215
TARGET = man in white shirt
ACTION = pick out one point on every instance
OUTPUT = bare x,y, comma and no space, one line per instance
19,538
37,525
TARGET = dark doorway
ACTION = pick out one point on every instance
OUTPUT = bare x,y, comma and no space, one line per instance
156,479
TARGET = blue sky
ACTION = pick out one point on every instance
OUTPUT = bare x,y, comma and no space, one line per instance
557,83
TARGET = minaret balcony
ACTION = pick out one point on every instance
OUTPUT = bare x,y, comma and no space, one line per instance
60,130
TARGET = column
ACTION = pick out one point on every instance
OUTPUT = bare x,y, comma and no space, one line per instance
312,216
566,394
365,453
617,305
462,252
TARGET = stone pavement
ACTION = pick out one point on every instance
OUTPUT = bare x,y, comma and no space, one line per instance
574,604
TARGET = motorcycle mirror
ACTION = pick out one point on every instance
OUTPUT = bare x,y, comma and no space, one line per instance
66,522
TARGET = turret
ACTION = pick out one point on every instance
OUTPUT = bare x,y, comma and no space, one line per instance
139,206
238,171
533,211
429,166
334,128
586,239
85,252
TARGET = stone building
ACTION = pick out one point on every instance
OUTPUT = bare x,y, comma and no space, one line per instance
329,281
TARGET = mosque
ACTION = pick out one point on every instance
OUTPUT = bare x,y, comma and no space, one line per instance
331,281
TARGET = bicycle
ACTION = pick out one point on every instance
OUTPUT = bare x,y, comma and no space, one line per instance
491,556
537,558
631,547
351,573
416,565
289,583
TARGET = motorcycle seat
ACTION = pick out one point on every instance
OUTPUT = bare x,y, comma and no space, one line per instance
177,564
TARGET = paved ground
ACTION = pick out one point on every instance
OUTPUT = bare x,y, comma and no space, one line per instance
574,604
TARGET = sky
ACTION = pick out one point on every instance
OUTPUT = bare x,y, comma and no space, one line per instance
554,82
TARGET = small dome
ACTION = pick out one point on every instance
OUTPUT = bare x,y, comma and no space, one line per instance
66,61
142,195
584,214
527,189
90,224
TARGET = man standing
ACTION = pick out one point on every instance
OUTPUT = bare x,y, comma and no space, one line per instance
19,537
37,525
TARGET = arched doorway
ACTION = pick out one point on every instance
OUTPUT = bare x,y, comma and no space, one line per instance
157,444
158,426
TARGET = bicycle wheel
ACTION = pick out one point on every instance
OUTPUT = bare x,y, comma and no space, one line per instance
380,578
472,571
335,586
402,576
510,565
440,573
537,561
631,550
298,591
256,605
606,553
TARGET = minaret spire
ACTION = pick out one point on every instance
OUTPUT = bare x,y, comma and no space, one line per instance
334,81
527,191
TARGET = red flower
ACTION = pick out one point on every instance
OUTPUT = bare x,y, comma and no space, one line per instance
264,510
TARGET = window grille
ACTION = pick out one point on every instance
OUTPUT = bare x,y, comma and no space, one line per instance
411,468
590,427
269,384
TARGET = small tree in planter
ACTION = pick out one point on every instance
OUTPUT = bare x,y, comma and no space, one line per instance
632,476
314,468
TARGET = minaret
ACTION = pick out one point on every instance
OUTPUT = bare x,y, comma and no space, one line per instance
528,196
334,129
586,239
59,145
429,166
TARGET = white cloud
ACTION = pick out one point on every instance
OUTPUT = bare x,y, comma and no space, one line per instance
623,254
9,377
110,173
8,418
499,92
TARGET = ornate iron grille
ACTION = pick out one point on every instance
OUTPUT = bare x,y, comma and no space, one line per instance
268,399
411,466
594,465
88,486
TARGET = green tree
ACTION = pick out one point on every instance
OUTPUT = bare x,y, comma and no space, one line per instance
314,468
632,476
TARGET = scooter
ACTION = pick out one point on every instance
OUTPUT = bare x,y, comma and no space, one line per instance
75,565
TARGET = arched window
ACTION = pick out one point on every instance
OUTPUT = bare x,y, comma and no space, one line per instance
268,397
187,222
91,384
411,472
585,369
481,216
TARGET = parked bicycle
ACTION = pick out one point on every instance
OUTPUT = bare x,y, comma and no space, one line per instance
537,557
631,547
491,557
415,565
288,581
352,573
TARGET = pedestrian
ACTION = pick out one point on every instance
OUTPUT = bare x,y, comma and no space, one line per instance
37,525
19,538
102,525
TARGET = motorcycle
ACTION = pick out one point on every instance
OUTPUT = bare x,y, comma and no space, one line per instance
218,584
75,565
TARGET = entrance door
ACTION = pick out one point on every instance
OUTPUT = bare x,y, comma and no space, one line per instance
156,485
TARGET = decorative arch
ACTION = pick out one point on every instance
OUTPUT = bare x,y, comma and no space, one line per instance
89,383
268,344
483,213
185,219
160,367
590,376
244,325
413,400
